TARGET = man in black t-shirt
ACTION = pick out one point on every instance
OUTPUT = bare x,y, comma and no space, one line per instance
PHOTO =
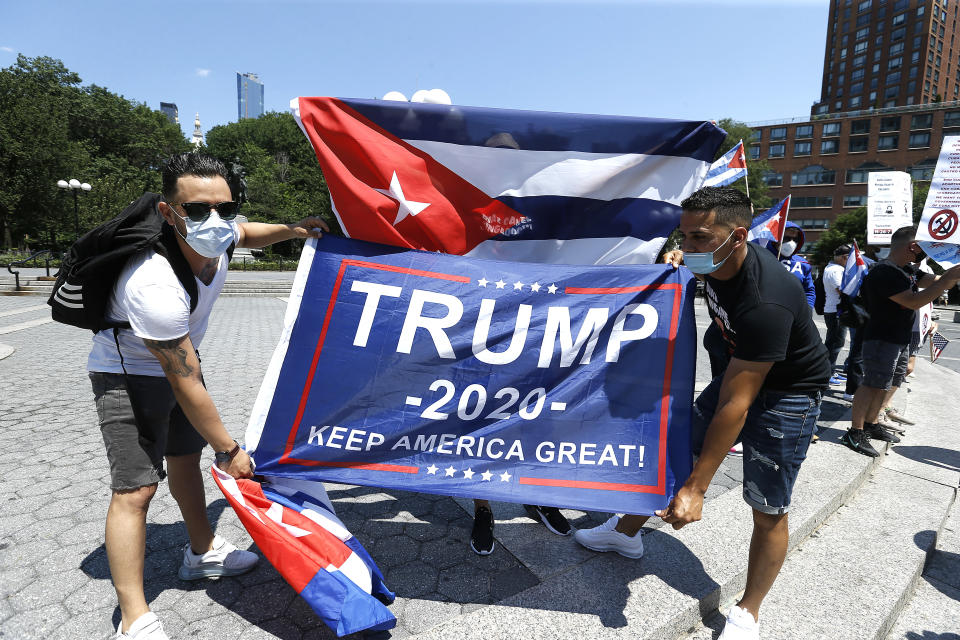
890,292
768,397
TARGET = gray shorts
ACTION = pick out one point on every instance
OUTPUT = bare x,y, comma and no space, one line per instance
884,364
141,423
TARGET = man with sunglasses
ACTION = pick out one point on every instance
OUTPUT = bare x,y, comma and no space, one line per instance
151,399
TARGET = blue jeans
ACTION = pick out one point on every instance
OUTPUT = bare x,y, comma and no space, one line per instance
775,437
855,362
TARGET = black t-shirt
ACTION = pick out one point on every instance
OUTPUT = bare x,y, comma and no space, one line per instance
889,321
764,316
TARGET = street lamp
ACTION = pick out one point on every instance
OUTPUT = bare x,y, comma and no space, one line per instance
76,187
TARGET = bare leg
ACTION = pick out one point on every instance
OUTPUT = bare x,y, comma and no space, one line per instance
126,534
768,549
865,398
879,401
631,524
186,487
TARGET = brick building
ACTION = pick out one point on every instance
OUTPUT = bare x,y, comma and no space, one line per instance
889,66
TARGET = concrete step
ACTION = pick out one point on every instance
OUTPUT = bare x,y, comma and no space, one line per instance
934,610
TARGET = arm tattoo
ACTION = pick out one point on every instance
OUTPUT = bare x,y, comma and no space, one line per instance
172,357
208,271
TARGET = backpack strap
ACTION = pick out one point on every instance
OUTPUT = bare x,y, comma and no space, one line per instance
169,248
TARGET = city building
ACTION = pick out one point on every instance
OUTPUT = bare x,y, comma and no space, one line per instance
888,53
249,96
197,139
891,92
169,109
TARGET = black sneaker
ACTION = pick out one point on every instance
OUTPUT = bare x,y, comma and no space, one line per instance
857,440
481,539
551,518
877,432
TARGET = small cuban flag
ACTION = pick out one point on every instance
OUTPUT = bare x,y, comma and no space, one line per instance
853,271
770,225
728,168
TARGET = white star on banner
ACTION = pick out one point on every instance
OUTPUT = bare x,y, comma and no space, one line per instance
518,286
275,513
432,470
500,283
468,474
482,282
449,472
552,288
407,207
486,475
535,287
505,477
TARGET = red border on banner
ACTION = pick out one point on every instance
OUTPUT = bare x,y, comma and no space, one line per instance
659,488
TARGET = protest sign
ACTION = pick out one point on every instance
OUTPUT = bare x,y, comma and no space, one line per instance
939,221
545,384
889,205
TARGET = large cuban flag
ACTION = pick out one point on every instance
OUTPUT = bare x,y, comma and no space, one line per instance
504,184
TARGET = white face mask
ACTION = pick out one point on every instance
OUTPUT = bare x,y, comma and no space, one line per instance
209,238
787,248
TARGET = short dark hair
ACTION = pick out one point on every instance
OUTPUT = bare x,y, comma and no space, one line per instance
189,164
841,250
903,235
732,207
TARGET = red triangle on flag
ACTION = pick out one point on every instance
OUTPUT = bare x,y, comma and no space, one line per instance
739,160
361,160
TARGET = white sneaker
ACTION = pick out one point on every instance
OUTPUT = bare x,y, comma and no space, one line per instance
146,627
740,626
737,449
223,559
606,538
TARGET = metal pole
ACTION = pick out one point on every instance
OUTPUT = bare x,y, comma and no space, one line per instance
76,215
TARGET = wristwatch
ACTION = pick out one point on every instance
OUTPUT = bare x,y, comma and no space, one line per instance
224,457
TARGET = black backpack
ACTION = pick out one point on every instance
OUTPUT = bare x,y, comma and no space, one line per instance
852,312
89,270
820,298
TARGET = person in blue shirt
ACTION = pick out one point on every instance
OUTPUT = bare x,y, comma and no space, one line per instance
789,258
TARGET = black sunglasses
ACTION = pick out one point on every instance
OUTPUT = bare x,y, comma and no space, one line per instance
200,211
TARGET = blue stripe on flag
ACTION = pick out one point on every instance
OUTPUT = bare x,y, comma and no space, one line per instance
564,218
543,130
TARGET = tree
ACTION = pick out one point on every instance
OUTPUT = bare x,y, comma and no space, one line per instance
283,177
51,128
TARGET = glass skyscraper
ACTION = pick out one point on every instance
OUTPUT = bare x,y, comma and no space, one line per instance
169,109
249,96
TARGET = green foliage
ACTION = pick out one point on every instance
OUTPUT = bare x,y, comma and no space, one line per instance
284,181
847,227
51,129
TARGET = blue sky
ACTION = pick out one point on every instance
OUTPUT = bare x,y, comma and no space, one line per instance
749,59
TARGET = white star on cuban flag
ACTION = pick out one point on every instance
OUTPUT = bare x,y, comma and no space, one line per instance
406,207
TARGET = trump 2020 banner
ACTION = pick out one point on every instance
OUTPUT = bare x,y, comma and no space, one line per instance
543,384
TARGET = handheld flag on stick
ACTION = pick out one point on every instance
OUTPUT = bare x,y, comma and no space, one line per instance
303,539
770,225
728,168
853,271
937,343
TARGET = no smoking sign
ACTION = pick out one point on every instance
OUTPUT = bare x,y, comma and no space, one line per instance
942,224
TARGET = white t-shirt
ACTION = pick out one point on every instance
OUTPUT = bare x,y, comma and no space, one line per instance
149,296
832,277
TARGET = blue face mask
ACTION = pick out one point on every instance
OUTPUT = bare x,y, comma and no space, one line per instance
209,238
702,263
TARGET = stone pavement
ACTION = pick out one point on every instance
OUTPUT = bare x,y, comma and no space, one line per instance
54,579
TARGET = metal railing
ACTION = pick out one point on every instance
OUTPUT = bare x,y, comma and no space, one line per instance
910,108
50,255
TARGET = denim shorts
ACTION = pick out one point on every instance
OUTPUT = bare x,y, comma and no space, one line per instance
141,423
884,363
775,437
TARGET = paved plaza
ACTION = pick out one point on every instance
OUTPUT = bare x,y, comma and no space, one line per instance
54,578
